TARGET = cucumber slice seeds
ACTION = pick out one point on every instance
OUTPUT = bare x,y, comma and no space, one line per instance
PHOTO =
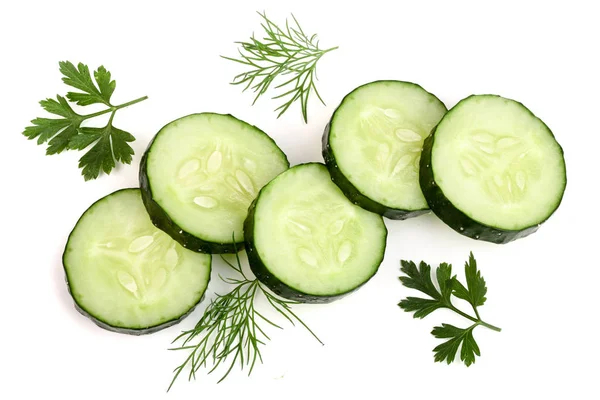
200,174
127,275
492,170
307,242
373,144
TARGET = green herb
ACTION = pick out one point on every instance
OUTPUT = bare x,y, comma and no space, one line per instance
230,330
287,53
474,293
110,144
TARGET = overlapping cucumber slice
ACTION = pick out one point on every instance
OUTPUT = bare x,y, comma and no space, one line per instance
492,170
307,242
372,146
200,174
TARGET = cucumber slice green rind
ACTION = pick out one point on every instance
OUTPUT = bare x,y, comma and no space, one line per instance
340,177
163,220
355,195
133,331
455,218
102,322
262,272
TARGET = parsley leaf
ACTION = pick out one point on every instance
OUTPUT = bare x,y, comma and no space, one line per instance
447,350
79,78
66,133
445,281
476,289
60,130
420,279
101,157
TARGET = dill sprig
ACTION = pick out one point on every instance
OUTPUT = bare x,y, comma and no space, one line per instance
289,53
230,330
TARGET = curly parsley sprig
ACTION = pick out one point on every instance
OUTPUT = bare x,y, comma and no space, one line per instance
474,293
66,133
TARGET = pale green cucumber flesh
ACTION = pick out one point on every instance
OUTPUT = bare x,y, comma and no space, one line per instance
498,163
376,137
310,239
125,273
205,169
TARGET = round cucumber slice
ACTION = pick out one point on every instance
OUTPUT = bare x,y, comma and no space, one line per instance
307,242
372,146
125,274
492,170
200,174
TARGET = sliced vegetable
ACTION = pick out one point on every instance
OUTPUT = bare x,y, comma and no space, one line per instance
307,242
373,143
199,175
492,170
125,274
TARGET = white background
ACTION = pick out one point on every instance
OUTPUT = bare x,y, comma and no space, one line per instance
542,289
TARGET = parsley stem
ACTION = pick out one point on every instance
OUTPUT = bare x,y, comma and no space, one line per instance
478,321
130,103
476,312
112,116
113,108
489,326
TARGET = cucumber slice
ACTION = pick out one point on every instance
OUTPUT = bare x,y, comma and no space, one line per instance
492,170
307,242
373,143
125,274
200,174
